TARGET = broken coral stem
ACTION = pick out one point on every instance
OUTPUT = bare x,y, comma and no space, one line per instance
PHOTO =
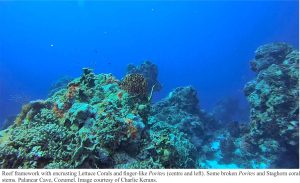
151,93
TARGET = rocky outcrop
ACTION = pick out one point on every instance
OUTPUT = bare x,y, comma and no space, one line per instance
271,139
274,104
181,110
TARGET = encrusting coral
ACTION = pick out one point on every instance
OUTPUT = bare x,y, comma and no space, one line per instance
97,121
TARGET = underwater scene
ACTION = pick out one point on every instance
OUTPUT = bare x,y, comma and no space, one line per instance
149,84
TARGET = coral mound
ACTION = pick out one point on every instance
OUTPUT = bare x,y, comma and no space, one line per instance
181,110
93,123
82,126
271,140
274,104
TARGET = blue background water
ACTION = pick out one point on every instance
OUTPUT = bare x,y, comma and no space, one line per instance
204,44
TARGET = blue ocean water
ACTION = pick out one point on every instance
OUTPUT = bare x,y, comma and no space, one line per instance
204,44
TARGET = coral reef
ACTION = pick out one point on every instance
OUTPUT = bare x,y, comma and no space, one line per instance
181,110
81,126
149,71
274,106
271,139
95,122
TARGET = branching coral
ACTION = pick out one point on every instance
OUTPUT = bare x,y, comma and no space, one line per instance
149,71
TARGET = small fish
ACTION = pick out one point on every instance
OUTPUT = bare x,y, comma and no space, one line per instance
20,98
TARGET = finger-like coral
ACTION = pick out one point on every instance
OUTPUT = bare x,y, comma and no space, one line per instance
135,84
149,71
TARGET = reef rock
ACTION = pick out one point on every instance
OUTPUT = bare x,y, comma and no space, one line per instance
274,104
